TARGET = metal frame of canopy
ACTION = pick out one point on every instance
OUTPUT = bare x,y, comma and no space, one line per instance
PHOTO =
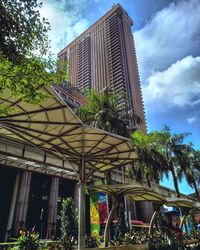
54,128
141,193
187,204
174,202
180,202
133,191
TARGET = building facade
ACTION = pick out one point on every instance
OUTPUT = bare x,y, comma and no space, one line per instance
104,56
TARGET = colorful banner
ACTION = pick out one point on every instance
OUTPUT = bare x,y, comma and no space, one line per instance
103,209
98,210
94,215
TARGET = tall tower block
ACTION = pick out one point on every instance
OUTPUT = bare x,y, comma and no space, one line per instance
104,55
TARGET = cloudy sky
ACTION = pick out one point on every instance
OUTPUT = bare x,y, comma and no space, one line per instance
167,37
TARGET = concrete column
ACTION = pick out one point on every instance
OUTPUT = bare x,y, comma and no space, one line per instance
12,207
22,202
126,213
53,207
76,193
131,211
146,211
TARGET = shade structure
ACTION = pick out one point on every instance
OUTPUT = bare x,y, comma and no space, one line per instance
181,203
141,193
53,127
133,191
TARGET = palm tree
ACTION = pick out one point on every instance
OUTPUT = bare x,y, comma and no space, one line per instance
191,170
173,149
151,164
196,167
196,159
103,112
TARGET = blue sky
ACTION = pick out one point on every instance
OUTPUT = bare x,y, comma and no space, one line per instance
167,38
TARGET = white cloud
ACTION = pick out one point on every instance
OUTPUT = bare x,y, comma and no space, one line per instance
66,21
192,119
172,34
177,86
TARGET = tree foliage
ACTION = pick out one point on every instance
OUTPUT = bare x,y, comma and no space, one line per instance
191,170
69,219
28,241
103,112
151,164
174,150
162,153
26,64
23,32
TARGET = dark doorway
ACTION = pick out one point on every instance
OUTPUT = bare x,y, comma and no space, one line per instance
139,210
7,179
38,204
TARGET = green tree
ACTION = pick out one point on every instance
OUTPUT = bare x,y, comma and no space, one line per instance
173,148
196,162
26,64
102,111
69,219
151,164
191,169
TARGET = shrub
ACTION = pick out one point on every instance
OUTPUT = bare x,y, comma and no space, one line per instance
28,241
69,223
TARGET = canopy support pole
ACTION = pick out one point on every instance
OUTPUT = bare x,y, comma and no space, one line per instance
81,217
153,218
183,219
81,203
109,221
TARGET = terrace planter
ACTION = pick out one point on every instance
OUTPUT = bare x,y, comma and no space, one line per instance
145,246
127,247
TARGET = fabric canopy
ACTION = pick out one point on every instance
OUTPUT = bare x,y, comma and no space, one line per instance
135,192
144,193
181,202
53,127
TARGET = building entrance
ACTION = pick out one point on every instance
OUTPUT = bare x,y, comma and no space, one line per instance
7,179
38,204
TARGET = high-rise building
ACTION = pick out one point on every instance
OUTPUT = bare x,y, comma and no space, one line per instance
104,56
